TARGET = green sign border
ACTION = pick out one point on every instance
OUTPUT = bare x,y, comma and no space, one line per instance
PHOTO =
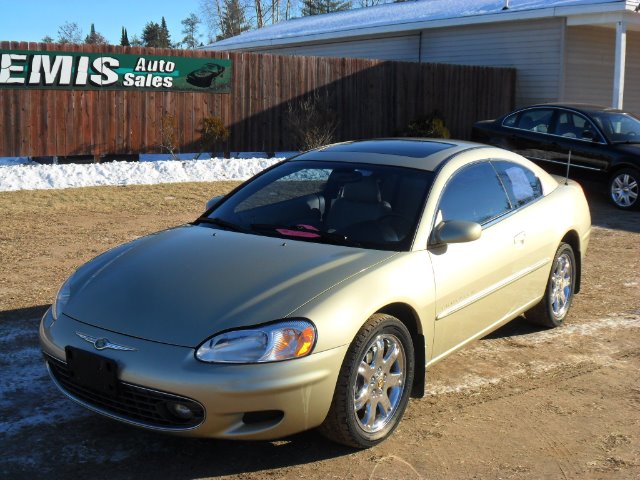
63,70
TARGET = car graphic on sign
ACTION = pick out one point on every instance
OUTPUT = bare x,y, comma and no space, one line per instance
204,77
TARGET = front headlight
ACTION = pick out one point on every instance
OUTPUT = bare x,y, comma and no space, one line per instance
266,343
61,298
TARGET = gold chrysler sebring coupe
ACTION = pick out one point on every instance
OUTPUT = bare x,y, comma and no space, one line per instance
317,293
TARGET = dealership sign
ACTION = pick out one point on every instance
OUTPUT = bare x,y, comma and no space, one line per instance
97,71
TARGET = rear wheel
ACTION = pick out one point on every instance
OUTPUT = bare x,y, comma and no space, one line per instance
373,385
624,188
554,306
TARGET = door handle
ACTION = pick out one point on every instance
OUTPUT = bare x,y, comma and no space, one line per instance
519,239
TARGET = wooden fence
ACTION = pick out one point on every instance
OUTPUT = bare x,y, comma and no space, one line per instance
369,98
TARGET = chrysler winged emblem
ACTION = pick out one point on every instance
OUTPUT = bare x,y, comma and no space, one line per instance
103,343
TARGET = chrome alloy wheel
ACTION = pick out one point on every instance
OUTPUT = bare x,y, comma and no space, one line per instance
561,285
379,383
624,190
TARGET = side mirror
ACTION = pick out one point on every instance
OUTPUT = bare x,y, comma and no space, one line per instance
456,231
213,202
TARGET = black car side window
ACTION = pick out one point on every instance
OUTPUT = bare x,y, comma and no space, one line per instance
521,184
474,194
510,121
535,120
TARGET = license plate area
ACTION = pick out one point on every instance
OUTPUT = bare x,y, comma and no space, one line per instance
93,371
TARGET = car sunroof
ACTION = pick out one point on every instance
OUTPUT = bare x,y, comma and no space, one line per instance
404,148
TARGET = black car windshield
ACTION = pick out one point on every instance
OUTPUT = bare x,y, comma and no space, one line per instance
353,204
618,127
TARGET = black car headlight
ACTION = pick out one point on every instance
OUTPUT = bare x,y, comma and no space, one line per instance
265,343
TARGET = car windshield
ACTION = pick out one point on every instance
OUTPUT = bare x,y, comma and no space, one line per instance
619,127
353,204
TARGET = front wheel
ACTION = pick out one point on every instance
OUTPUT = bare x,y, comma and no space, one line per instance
554,306
624,187
373,385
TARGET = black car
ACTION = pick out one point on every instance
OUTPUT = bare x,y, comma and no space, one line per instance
204,77
599,139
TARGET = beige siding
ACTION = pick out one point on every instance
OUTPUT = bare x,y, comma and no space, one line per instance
590,65
532,47
404,48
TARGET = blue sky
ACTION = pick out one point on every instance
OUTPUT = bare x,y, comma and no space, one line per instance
31,20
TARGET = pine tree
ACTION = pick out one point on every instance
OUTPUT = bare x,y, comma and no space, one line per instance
124,38
233,20
165,38
317,7
151,35
190,31
95,38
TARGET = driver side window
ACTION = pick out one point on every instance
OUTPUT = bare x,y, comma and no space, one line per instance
474,194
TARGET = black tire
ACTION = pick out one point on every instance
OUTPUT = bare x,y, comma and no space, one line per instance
392,381
554,306
624,189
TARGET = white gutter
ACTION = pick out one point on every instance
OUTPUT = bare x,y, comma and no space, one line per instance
498,17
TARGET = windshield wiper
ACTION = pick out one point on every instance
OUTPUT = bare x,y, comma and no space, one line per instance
222,223
313,234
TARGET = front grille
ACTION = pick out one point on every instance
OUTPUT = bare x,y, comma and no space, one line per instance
133,404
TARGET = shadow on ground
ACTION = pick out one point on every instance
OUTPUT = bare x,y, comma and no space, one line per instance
23,313
516,327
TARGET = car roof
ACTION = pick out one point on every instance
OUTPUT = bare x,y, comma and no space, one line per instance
420,153
580,107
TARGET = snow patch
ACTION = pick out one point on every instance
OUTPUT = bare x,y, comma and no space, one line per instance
473,382
584,329
36,177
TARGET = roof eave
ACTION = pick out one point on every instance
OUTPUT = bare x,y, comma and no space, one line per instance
498,17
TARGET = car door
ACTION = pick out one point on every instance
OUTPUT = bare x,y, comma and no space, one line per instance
575,133
471,295
529,133
535,242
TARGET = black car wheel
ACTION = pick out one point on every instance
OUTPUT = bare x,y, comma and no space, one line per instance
624,187
373,386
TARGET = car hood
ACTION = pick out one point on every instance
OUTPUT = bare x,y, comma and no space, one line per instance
182,285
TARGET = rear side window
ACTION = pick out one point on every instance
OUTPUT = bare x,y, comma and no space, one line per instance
474,194
521,184
510,121
536,120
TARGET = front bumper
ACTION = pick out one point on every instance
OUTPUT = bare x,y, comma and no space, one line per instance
302,389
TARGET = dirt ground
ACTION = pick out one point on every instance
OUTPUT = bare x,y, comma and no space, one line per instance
521,403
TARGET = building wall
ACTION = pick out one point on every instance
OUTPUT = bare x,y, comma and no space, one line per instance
590,65
403,48
534,48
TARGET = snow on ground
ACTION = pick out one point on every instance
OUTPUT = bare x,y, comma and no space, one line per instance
24,381
567,334
25,175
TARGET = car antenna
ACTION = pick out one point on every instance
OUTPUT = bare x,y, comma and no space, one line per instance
566,180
